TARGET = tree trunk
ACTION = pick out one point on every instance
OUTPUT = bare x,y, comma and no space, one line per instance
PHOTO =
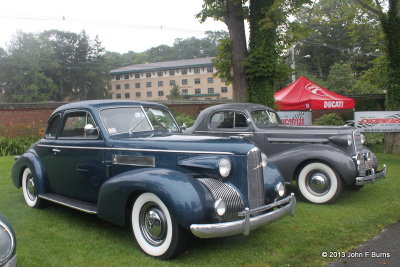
235,23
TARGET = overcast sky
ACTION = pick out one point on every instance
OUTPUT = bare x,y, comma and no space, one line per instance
121,25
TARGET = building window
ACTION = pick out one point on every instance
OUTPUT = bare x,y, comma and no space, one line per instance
184,91
137,94
126,86
160,93
118,96
148,74
224,89
126,76
197,81
149,94
137,85
184,81
117,86
210,69
223,80
127,95
184,71
159,73
160,83
148,84
210,80
172,72
211,90
137,75
196,70
172,82
197,91
117,77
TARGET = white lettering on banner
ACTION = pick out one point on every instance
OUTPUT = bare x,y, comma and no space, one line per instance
333,104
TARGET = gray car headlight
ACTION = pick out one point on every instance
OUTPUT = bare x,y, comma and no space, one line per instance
349,140
362,138
280,189
7,243
264,160
224,167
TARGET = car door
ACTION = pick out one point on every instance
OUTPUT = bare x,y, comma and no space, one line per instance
230,123
76,166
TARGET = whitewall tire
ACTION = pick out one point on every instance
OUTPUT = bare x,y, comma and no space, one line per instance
29,189
319,183
155,230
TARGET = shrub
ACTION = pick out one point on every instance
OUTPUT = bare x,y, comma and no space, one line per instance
182,118
11,146
330,119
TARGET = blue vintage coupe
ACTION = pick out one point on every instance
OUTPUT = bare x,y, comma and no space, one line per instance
128,163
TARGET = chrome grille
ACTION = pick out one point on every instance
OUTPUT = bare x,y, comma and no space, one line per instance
358,147
255,179
218,189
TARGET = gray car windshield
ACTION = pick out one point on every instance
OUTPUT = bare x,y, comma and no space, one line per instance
133,119
263,117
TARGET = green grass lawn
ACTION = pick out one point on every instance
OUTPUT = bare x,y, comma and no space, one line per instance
59,236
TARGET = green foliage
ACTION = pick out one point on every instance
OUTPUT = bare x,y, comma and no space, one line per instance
341,79
182,118
332,119
175,93
223,60
13,146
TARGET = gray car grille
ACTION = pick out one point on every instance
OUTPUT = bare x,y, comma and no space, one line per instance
255,179
218,189
359,150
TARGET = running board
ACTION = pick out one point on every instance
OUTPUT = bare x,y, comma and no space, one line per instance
71,203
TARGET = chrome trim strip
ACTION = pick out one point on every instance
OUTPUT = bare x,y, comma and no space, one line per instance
133,160
141,150
248,223
67,205
214,132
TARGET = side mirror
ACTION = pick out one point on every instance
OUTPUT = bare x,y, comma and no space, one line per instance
89,129
183,126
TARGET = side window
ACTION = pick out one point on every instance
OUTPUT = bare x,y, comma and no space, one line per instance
240,120
74,125
222,119
53,126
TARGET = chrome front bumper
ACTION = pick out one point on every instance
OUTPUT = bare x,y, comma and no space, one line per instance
371,178
247,224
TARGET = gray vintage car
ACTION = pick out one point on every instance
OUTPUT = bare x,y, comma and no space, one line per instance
320,159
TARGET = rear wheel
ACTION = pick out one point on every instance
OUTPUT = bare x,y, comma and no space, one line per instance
29,190
318,183
156,231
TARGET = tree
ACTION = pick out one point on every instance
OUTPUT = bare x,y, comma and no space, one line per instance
232,13
175,93
341,79
390,22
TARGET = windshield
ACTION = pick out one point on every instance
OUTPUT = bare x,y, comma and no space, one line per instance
133,119
263,117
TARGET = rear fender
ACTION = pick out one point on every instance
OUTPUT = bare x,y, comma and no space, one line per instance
29,160
187,200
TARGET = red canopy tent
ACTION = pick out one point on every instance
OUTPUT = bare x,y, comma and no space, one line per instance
303,94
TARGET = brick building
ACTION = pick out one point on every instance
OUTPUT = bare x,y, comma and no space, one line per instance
153,81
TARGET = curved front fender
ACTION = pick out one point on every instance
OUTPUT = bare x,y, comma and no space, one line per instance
31,160
186,198
288,161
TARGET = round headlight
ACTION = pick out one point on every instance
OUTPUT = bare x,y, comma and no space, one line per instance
220,207
362,138
225,167
264,160
280,189
349,140
6,243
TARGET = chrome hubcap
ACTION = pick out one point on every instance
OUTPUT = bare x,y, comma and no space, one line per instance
318,183
153,224
30,188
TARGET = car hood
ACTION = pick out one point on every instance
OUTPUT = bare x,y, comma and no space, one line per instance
184,143
307,130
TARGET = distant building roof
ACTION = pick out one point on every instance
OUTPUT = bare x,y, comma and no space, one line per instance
155,66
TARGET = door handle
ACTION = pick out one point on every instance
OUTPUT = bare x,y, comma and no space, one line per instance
56,150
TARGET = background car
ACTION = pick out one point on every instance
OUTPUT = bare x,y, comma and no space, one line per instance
8,243
128,163
320,159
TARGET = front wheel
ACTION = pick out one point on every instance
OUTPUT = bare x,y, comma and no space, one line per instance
319,183
29,190
156,231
